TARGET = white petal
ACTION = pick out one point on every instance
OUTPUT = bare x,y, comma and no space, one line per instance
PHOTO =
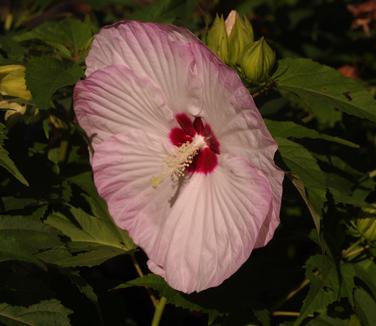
123,167
247,134
113,100
159,52
212,227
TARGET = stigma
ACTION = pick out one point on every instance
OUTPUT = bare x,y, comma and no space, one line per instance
177,162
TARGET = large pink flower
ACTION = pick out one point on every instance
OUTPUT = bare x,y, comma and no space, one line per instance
181,154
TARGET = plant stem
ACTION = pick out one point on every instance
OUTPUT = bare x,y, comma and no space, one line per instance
286,313
141,274
351,251
355,252
298,289
158,311
346,252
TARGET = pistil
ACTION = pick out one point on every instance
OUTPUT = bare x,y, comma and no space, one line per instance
177,162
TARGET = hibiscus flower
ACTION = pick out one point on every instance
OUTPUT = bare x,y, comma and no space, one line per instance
181,153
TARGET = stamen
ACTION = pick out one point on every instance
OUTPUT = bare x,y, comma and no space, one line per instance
178,161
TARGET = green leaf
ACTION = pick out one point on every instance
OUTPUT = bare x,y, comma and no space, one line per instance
45,75
6,162
93,239
289,129
68,36
166,11
320,87
302,163
348,286
13,50
84,255
365,307
324,286
299,185
366,271
44,313
174,297
97,204
340,164
82,285
24,237
330,321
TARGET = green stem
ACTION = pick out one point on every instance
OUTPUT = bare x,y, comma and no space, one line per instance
286,313
355,252
141,274
345,253
298,289
159,311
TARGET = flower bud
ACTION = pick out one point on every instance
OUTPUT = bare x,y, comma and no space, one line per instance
240,35
12,81
12,108
257,61
217,38
367,224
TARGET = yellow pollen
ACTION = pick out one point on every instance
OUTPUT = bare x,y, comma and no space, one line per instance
177,162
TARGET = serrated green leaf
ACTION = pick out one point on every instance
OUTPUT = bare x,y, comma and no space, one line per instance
9,165
11,249
321,87
289,129
97,204
166,11
330,321
82,285
366,271
5,160
302,163
24,237
93,239
348,274
365,307
14,51
45,75
299,185
174,297
12,203
83,254
340,164
324,286
99,209
44,313
68,36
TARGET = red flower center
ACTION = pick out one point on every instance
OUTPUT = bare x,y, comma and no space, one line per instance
206,159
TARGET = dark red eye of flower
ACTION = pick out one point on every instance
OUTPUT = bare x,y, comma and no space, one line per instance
206,159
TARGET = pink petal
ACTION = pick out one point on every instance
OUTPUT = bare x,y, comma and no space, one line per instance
212,227
123,166
221,91
238,126
114,99
159,52
195,234
246,134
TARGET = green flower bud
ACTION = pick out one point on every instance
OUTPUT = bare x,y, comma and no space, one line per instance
12,81
367,224
257,61
217,38
240,35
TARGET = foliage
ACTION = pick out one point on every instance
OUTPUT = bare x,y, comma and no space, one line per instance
62,258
